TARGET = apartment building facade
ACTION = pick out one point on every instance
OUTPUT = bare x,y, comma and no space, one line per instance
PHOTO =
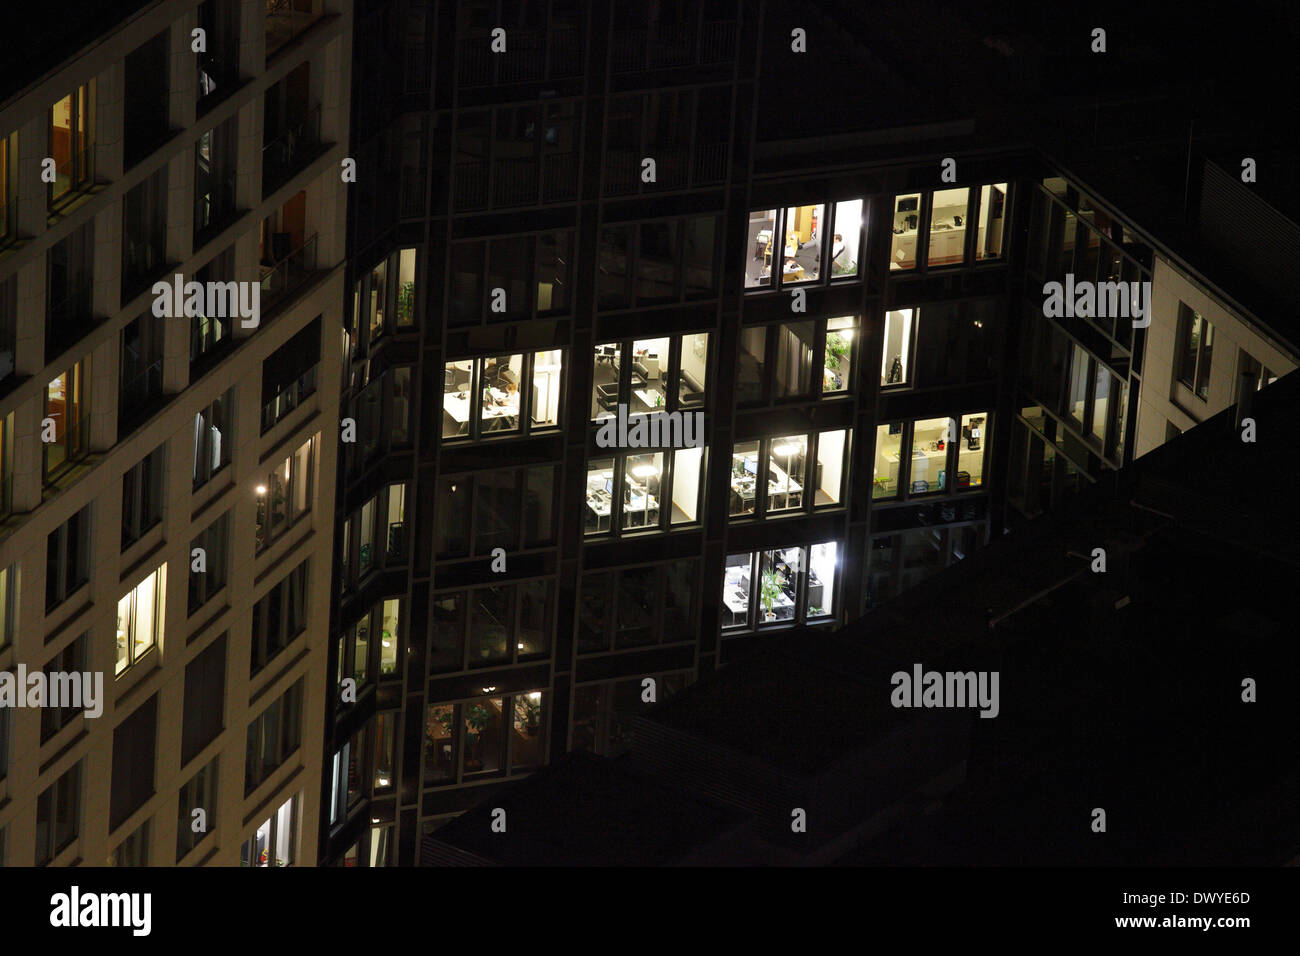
199,140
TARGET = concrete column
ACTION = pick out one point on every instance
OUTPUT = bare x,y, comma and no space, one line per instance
28,460
252,38
110,105
180,207
248,146
184,71
29,336
33,192
103,395
106,297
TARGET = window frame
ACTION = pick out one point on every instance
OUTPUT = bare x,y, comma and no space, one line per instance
525,426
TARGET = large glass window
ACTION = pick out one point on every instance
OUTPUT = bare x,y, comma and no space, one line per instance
663,374
838,361
762,237
285,496
847,238
929,458
213,543
142,497
795,342
992,217
639,606
975,437
781,586
67,407
948,226
72,141
140,616
58,815
745,477
895,360
504,394
1078,394
272,844
213,438
630,492
802,247
1195,351
831,467
67,558
889,447
907,218
786,470
750,365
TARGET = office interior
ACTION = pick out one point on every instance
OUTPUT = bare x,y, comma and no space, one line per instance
931,455
629,492
945,214
789,471
798,243
781,586
650,375
491,393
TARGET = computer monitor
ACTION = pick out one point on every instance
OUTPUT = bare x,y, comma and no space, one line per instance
609,486
751,466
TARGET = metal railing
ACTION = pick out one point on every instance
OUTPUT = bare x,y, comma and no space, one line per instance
290,149
289,398
289,273
415,68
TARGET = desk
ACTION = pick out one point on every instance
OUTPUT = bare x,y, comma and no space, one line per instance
792,273
647,397
460,409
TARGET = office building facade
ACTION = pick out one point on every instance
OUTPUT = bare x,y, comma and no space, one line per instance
574,235
193,142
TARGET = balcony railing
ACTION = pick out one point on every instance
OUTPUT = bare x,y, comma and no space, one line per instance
290,150
533,55
289,398
287,275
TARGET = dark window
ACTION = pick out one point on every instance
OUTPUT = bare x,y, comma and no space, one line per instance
272,738
212,335
147,98
205,695
209,567
279,617
144,234
8,318
134,850
214,180
134,743
67,558
58,816
140,363
71,660
218,66
70,280
200,793
1195,351
142,496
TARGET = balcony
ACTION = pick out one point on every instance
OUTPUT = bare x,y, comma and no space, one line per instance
290,151
285,22
289,398
529,52
281,279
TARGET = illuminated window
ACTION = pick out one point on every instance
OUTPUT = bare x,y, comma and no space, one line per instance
140,616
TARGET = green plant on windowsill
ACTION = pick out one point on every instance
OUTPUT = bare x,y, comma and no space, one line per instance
837,349
769,593
406,301
528,713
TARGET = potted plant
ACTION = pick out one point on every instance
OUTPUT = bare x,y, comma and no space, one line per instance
476,719
405,301
528,714
769,593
